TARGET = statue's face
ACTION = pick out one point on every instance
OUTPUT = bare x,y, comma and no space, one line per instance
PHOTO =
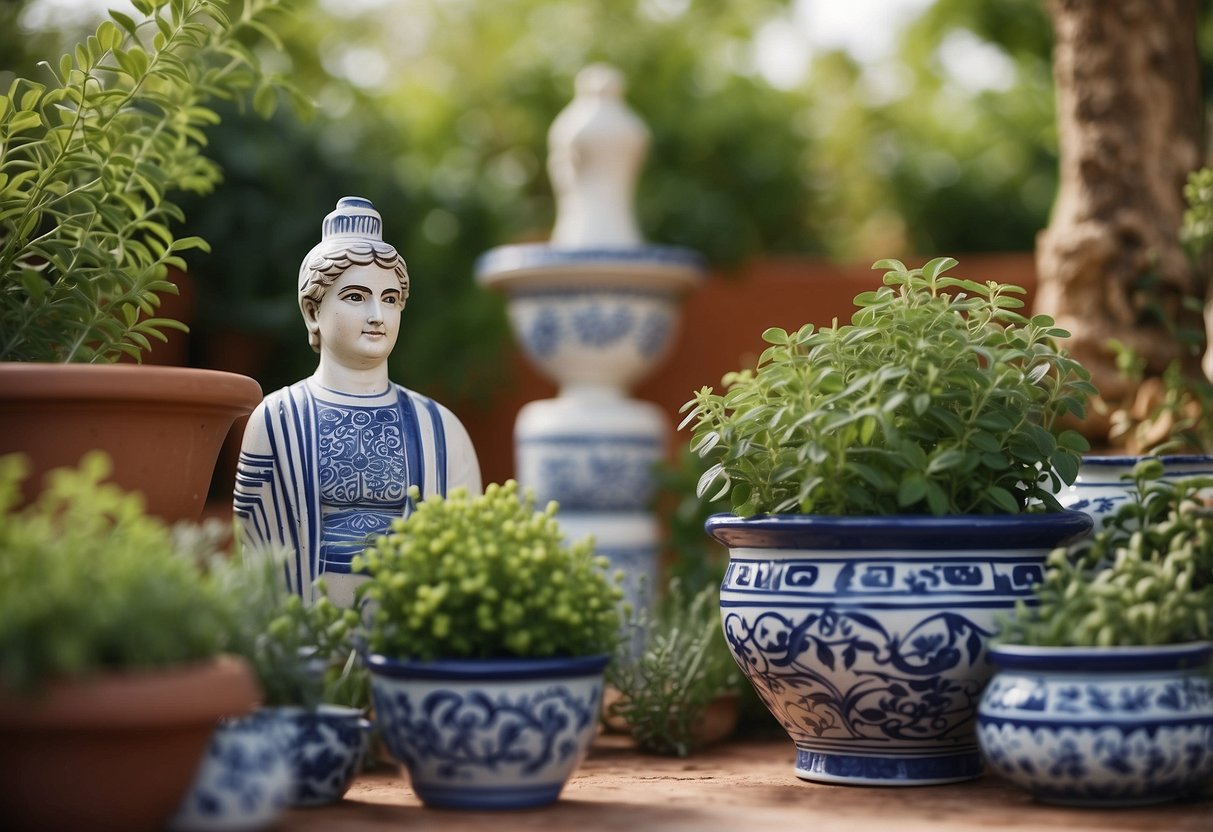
359,317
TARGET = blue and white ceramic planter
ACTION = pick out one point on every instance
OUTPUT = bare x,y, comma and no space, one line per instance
325,749
1101,489
490,733
1086,726
244,781
866,636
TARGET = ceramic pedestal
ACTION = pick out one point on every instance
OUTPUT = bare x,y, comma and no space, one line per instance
595,311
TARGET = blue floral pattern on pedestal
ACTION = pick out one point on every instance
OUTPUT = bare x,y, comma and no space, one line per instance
1099,737
594,320
488,744
591,472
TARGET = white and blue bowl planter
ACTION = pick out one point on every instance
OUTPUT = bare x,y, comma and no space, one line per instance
1106,726
866,637
325,749
488,733
244,780
1102,486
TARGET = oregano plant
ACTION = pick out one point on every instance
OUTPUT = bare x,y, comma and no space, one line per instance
937,398
1145,578
91,155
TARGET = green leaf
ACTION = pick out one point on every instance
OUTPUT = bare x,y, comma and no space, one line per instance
125,21
1002,498
912,490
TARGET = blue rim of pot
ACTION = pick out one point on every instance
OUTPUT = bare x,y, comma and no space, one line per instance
1128,460
899,531
558,667
1189,655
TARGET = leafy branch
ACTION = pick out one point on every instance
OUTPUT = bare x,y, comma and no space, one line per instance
90,160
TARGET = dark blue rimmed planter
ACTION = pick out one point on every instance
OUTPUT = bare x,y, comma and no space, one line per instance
866,636
325,748
1101,486
1101,726
488,733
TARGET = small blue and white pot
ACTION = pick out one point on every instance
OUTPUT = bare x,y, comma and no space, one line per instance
325,748
1101,726
488,733
1101,487
866,636
244,780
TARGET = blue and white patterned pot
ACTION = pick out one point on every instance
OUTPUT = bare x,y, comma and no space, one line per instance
490,733
866,636
325,748
1100,490
1086,726
243,782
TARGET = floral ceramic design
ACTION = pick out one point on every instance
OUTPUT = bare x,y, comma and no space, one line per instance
866,636
1101,487
488,734
1101,726
243,781
325,750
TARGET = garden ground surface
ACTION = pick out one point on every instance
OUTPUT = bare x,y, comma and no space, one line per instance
745,786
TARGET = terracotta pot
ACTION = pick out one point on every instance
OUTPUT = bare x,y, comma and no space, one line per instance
162,426
114,752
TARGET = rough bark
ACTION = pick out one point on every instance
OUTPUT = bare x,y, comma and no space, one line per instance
1129,125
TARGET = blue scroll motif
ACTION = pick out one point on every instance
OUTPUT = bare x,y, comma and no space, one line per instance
361,452
325,754
460,733
840,673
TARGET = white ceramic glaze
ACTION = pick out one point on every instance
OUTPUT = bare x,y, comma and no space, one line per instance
1084,726
243,781
1102,485
490,733
866,636
327,462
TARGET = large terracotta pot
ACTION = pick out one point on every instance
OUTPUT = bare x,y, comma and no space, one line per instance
162,426
114,752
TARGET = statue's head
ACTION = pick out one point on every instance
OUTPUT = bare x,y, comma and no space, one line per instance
351,238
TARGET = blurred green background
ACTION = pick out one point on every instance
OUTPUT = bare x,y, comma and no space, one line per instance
933,133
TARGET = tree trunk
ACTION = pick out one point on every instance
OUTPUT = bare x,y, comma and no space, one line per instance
1111,264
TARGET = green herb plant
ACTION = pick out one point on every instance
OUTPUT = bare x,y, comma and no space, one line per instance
90,157
684,666
89,583
938,398
1145,578
486,577
302,655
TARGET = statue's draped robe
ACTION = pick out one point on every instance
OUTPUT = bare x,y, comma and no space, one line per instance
278,480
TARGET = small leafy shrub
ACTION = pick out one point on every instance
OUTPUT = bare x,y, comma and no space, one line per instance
1146,578
684,666
486,577
90,583
90,158
302,655
938,398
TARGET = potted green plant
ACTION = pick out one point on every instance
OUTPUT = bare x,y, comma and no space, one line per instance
92,156
673,686
487,639
1104,693
881,474
305,744
111,667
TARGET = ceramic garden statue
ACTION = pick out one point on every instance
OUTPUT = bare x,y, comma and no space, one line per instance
328,461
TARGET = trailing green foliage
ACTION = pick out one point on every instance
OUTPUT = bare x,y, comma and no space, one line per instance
302,655
1146,578
937,398
684,666
486,577
89,160
90,583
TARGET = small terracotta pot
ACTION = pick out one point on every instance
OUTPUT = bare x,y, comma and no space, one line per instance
163,427
115,752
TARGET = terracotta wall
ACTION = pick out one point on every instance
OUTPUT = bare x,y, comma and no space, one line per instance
721,331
